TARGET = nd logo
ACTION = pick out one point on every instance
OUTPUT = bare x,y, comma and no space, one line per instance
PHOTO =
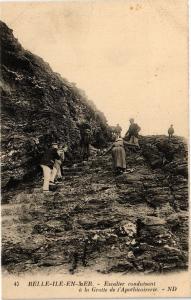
172,288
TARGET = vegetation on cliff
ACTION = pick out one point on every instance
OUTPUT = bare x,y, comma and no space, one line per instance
37,103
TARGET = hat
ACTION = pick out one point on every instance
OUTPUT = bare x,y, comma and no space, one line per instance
118,139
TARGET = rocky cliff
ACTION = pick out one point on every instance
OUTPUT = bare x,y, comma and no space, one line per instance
131,223
38,105
135,222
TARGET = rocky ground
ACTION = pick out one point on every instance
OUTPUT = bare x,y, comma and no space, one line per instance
135,222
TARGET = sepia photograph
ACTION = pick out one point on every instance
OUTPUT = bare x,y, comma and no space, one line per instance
94,149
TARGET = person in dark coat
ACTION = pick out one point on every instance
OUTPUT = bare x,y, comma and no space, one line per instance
118,155
47,165
170,132
133,133
85,140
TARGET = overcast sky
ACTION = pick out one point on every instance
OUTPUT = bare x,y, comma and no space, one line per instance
130,57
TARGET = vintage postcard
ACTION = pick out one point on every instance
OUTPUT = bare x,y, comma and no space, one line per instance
94,149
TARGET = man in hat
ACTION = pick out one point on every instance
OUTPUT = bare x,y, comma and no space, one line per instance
133,133
47,165
170,132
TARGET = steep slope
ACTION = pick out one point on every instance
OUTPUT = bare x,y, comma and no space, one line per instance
38,104
136,222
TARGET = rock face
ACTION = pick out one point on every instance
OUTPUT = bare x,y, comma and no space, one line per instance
38,105
172,158
95,221
135,222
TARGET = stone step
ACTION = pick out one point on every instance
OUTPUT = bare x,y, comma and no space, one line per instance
72,169
72,173
92,215
12,209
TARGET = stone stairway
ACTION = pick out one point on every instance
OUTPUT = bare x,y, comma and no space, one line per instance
97,221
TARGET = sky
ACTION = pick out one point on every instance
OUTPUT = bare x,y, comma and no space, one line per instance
130,57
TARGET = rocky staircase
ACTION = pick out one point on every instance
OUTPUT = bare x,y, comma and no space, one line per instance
134,222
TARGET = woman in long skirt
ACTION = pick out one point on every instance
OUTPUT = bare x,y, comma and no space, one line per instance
118,155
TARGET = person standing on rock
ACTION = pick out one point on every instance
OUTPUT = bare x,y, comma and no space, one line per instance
118,130
85,141
133,133
56,172
170,132
47,165
118,155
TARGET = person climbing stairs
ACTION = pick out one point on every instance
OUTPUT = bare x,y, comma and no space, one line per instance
96,221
